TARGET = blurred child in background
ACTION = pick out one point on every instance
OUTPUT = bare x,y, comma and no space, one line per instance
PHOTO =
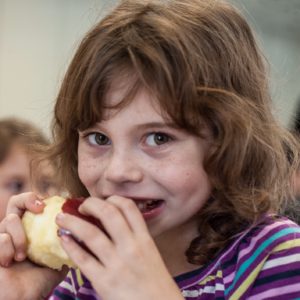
17,138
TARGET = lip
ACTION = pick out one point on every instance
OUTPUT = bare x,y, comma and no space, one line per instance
154,212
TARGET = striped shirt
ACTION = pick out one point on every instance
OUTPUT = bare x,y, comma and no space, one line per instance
261,263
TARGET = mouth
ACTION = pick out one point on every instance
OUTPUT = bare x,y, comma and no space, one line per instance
146,206
149,208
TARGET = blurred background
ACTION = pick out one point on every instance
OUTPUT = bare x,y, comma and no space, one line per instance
38,39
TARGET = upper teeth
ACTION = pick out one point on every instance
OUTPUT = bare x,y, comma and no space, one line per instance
142,205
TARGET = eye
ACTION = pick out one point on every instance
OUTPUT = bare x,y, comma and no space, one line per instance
157,139
97,138
44,186
16,186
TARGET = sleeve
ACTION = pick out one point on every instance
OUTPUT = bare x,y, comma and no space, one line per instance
268,265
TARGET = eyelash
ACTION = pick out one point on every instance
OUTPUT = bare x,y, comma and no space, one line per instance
89,136
162,134
92,136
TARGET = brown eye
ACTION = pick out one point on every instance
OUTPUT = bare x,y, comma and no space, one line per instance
97,138
157,138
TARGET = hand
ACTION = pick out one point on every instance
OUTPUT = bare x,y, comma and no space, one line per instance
125,257
12,235
26,281
16,274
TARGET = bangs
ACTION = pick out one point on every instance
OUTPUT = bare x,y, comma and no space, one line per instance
132,72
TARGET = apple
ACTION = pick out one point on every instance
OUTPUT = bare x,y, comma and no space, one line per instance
44,246
71,206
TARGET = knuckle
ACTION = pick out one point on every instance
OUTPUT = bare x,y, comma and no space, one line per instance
132,251
129,205
5,240
91,233
81,258
12,218
108,211
14,198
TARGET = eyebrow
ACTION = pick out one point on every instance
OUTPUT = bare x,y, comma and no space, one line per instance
157,125
143,126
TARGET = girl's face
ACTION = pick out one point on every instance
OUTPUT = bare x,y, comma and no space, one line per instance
137,154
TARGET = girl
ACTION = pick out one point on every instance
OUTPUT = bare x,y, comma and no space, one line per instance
164,123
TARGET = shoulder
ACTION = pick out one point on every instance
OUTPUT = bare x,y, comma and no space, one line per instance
272,234
266,259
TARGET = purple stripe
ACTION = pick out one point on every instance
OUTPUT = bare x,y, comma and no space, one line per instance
88,293
62,291
74,279
228,277
212,268
261,234
289,291
282,283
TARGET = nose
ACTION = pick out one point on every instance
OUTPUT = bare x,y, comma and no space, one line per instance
123,167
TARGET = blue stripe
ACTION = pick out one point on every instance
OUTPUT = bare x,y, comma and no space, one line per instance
258,251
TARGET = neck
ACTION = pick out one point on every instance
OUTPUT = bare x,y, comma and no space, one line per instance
173,245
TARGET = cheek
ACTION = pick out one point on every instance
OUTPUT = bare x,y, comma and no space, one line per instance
186,179
88,171
195,181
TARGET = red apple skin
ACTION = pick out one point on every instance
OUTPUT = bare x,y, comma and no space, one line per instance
71,207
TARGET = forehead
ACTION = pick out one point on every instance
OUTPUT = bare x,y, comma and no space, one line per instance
122,95
16,162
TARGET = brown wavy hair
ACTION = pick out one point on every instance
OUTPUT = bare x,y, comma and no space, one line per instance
19,131
201,61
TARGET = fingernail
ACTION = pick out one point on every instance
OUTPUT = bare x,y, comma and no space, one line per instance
61,232
60,216
38,202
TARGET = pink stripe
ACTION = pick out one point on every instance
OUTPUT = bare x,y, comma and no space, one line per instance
253,244
283,290
264,232
229,278
216,263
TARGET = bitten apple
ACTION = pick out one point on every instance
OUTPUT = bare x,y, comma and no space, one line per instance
44,247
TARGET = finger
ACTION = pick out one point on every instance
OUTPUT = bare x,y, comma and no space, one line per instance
7,250
25,201
91,236
12,226
131,212
110,216
88,264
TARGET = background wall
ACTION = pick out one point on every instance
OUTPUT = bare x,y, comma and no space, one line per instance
277,24
38,38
